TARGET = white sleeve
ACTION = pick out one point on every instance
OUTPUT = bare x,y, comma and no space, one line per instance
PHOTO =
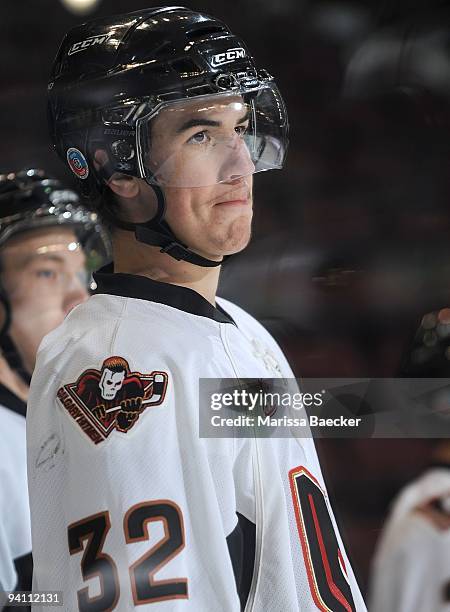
287,478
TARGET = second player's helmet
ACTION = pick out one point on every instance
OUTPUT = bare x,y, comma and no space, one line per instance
30,199
117,81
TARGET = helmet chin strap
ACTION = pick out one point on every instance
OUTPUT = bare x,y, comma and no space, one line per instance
157,232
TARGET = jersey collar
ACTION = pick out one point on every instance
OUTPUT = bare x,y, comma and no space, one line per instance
143,288
10,400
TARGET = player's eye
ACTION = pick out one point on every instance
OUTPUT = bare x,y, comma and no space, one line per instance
199,138
47,274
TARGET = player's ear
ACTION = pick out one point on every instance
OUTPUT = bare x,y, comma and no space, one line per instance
122,185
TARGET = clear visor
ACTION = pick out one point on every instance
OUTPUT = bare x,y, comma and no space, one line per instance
213,139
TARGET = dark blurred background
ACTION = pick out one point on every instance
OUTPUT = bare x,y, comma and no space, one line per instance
351,239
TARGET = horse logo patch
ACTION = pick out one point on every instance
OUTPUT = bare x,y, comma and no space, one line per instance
112,398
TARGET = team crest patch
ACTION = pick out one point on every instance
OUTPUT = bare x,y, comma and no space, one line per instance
112,398
77,163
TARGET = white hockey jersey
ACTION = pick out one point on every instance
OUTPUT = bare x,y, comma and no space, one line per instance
15,531
130,508
411,569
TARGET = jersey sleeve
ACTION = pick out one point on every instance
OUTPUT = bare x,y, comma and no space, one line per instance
304,565
128,513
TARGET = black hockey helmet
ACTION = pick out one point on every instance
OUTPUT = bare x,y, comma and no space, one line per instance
30,199
113,77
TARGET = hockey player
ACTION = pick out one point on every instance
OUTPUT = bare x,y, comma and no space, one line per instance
164,117
42,277
411,568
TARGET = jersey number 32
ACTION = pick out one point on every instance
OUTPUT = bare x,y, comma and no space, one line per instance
89,535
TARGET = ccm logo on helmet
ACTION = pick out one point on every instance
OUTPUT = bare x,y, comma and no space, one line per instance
82,45
228,56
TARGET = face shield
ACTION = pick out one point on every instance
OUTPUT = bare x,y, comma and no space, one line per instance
96,247
207,140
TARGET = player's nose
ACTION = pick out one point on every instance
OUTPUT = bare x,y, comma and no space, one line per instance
237,161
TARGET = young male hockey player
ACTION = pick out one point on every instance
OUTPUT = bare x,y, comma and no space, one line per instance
42,277
164,113
411,568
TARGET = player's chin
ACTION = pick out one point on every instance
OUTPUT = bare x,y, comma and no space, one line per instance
235,240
